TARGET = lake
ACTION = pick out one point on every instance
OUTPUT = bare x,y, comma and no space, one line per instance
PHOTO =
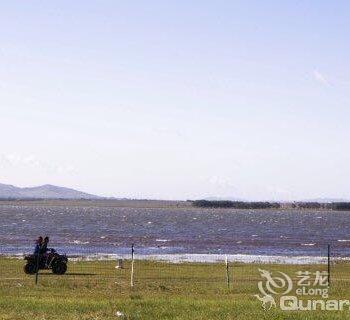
87,230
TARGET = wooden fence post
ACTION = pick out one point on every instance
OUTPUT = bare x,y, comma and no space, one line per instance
227,273
329,264
37,268
132,266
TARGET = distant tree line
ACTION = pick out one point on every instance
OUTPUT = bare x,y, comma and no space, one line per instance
308,205
345,206
317,205
235,204
341,206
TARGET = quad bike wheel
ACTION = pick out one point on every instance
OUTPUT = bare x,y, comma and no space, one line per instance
59,268
30,268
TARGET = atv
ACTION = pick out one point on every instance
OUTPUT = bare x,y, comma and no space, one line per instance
52,260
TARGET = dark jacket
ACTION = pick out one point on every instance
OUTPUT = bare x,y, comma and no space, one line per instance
37,249
43,248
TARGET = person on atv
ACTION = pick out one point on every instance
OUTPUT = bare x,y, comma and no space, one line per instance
39,243
45,258
44,249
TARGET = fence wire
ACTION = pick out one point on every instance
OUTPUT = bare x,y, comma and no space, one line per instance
114,271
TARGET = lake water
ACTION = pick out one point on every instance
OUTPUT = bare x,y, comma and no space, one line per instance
178,232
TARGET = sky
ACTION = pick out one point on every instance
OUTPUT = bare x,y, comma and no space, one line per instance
177,99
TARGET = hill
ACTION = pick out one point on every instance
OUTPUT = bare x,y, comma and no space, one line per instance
46,191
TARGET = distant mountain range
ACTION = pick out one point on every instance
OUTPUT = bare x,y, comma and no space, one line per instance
223,199
46,191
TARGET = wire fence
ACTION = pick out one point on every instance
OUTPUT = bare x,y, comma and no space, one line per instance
235,272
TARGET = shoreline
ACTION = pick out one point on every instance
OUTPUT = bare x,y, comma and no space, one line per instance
154,204
200,258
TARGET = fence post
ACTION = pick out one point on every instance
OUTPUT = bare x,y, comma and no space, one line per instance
37,268
227,273
132,266
329,264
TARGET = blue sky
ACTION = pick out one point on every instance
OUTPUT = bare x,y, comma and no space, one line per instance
177,99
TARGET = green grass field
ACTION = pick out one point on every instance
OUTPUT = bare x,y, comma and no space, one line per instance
96,290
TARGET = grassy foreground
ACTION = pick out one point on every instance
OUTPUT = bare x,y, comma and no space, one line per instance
97,290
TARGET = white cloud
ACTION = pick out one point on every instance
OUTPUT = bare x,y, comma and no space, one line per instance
31,161
320,78
220,182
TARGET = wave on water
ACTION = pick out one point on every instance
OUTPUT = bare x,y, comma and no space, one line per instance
79,242
181,235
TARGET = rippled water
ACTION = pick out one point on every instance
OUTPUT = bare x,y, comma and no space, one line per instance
86,230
